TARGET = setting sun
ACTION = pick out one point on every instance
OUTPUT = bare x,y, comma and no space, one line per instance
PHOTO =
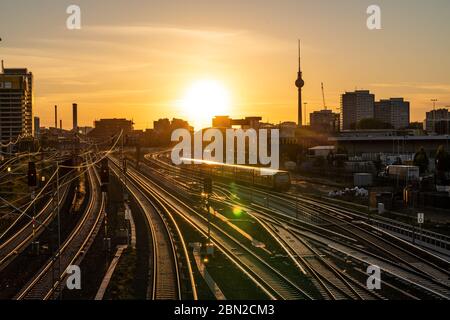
203,100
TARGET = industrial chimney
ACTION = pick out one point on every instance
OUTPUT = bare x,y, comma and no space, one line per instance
75,116
56,117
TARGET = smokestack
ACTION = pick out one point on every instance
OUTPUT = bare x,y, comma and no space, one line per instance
75,116
56,117
60,124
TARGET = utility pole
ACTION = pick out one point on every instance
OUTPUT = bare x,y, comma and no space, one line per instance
207,188
58,216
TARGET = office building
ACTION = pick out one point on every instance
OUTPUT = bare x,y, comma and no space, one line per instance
108,128
394,111
16,103
325,121
356,106
437,121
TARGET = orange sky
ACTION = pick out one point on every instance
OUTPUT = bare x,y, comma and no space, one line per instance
135,59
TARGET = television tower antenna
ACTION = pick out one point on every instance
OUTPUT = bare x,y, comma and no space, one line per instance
323,98
299,83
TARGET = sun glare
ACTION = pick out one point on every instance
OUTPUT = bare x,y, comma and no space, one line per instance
203,100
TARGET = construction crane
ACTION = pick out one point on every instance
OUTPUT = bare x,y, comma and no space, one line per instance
323,98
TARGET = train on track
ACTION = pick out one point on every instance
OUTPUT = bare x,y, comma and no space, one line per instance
251,176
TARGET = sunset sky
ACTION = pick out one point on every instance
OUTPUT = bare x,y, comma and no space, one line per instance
137,58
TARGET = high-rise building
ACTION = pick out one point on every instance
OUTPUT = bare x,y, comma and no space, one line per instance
299,83
324,121
75,117
394,111
356,106
437,121
16,103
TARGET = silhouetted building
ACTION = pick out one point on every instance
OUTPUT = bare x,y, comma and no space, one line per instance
161,125
227,122
356,106
325,121
106,128
437,121
394,111
163,128
387,142
16,103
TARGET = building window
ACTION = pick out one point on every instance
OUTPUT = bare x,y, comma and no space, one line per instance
8,85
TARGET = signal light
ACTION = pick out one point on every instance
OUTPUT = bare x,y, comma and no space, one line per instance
104,171
32,176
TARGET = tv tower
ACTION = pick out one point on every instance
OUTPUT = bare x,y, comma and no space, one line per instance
299,83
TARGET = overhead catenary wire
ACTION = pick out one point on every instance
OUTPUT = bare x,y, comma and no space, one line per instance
52,193
86,167
106,153
19,137
29,206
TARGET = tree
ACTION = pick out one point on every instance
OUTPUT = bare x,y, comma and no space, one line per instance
421,160
442,160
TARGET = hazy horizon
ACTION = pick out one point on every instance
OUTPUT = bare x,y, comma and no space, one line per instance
136,59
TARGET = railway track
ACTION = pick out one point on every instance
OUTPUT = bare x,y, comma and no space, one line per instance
418,260
20,239
266,277
350,248
331,281
49,280
432,276
165,278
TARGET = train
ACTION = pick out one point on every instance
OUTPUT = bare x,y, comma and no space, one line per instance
251,176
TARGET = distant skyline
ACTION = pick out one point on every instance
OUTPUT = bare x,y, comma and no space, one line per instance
135,59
